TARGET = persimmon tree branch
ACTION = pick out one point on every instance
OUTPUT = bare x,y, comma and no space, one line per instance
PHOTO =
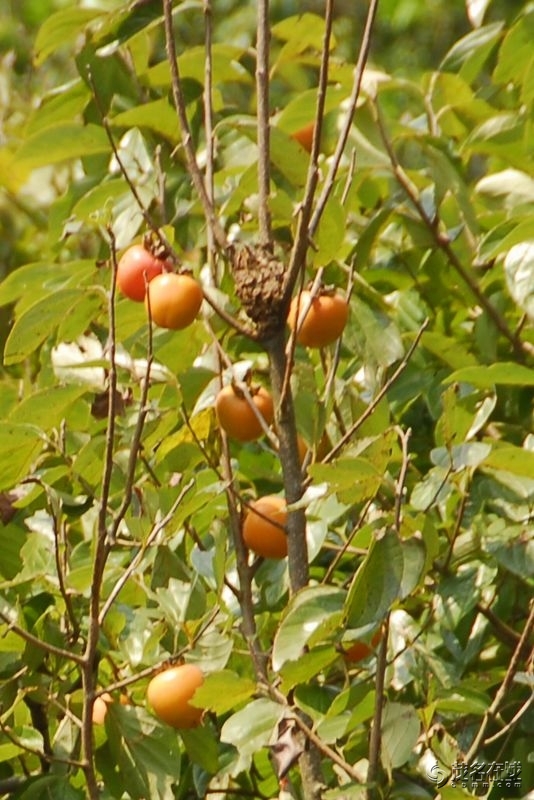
193,168
349,116
47,647
262,120
302,237
373,790
504,688
101,547
289,458
136,560
443,243
380,395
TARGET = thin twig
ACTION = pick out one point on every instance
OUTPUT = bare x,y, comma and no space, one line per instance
373,792
513,722
442,241
208,125
302,236
399,487
185,131
504,688
102,546
262,112
342,550
380,395
125,174
344,134
136,560
53,759
42,645
326,750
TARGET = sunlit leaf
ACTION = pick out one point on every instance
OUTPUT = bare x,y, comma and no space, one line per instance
400,732
313,610
19,446
32,328
519,271
62,28
223,690
60,143
504,373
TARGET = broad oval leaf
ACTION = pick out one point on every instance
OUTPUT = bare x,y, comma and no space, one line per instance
390,571
519,271
38,322
312,610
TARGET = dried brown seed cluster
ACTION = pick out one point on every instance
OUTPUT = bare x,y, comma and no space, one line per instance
259,280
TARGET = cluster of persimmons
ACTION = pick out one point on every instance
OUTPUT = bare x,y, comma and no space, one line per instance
244,413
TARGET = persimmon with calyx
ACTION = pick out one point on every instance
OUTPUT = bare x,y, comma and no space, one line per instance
170,691
318,320
263,528
360,650
137,267
236,415
174,300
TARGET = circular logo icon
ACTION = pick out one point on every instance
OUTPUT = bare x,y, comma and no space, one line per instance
437,775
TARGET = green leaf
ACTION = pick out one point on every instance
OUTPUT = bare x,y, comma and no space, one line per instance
223,690
519,272
305,668
251,728
61,143
400,732
32,281
146,753
60,29
469,54
509,458
158,116
390,571
19,447
505,373
202,748
515,53
192,64
330,235
299,33
55,786
377,337
37,323
46,408
62,107
311,613
463,701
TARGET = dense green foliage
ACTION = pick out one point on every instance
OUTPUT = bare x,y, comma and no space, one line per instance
119,523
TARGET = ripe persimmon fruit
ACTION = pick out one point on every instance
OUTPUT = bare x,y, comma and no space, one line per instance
360,650
237,418
263,528
135,265
174,299
170,691
320,320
